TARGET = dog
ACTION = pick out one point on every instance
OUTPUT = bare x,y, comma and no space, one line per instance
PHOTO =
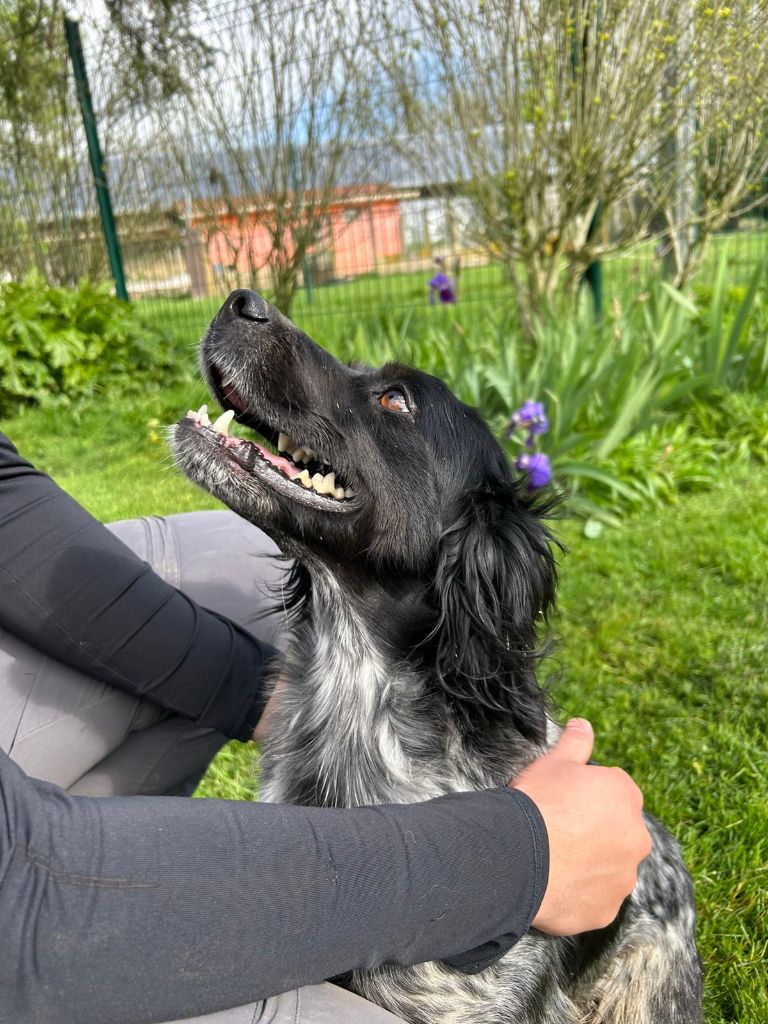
423,573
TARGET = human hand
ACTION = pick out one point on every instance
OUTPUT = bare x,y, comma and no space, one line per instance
261,731
597,835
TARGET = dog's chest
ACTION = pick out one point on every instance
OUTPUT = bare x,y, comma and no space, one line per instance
344,736
358,727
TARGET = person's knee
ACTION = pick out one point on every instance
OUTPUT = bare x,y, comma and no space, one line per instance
219,560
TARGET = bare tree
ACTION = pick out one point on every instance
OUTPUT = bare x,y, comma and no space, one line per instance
541,109
32,84
274,131
722,156
147,52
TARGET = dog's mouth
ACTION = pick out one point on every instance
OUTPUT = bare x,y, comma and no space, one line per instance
310,474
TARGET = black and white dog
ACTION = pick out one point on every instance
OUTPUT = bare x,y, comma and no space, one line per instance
423,573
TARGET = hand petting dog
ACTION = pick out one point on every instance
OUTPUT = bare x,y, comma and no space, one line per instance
597,834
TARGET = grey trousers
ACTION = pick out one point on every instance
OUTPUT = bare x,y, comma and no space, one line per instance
94,740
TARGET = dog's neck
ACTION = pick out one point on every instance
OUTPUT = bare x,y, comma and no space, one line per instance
347,731
358,721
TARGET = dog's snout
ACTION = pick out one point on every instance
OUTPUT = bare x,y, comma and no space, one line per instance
247,305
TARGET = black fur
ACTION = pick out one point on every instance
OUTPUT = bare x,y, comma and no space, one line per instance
418,599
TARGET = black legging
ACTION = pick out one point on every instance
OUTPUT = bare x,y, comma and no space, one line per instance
74,591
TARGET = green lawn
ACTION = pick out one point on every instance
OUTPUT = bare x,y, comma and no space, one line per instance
338,307
662,643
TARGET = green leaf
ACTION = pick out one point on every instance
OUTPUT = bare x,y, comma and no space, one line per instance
745,308
680,298
613,483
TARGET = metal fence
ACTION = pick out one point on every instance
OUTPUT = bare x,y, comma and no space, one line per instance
393,239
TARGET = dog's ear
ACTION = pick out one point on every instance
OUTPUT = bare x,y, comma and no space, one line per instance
495,583
292,592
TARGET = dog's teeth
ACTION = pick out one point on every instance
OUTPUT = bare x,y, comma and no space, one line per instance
221,426
324,484
304,455
286,444
200,416
349,493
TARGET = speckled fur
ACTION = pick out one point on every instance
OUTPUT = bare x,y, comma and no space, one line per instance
412,669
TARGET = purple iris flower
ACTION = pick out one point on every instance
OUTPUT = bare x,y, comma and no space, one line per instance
538,468
532,416
443,285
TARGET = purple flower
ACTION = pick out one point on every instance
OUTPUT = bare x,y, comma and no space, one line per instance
532,416
538,468
443,285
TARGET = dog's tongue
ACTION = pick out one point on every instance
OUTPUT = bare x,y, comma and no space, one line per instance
284,465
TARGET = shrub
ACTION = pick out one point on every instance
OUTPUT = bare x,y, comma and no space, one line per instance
730,324
57,344
649,469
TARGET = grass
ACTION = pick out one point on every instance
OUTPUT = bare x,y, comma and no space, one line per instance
662,644
112,457
333,308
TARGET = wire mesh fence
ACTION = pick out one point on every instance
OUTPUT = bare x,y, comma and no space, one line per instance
208,184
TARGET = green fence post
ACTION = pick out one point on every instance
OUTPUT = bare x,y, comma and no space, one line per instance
593,275
98,167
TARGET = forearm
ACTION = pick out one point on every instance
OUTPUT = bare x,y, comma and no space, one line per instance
74,591
139,910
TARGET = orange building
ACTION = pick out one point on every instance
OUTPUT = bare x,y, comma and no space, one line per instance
363,230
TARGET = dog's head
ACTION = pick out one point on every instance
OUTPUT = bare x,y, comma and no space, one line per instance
379,475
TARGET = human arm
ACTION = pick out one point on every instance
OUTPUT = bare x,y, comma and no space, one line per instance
75,592
136,910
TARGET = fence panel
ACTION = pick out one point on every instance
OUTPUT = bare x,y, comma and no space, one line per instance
196,217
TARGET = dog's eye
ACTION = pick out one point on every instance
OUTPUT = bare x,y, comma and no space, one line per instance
394,400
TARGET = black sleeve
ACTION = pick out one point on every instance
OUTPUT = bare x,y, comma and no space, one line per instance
77,593
140,909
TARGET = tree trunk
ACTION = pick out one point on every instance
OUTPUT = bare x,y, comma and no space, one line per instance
284,281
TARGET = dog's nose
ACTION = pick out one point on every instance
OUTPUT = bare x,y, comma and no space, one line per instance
247,305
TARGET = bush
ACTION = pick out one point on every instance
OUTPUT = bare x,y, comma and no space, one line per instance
57,344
